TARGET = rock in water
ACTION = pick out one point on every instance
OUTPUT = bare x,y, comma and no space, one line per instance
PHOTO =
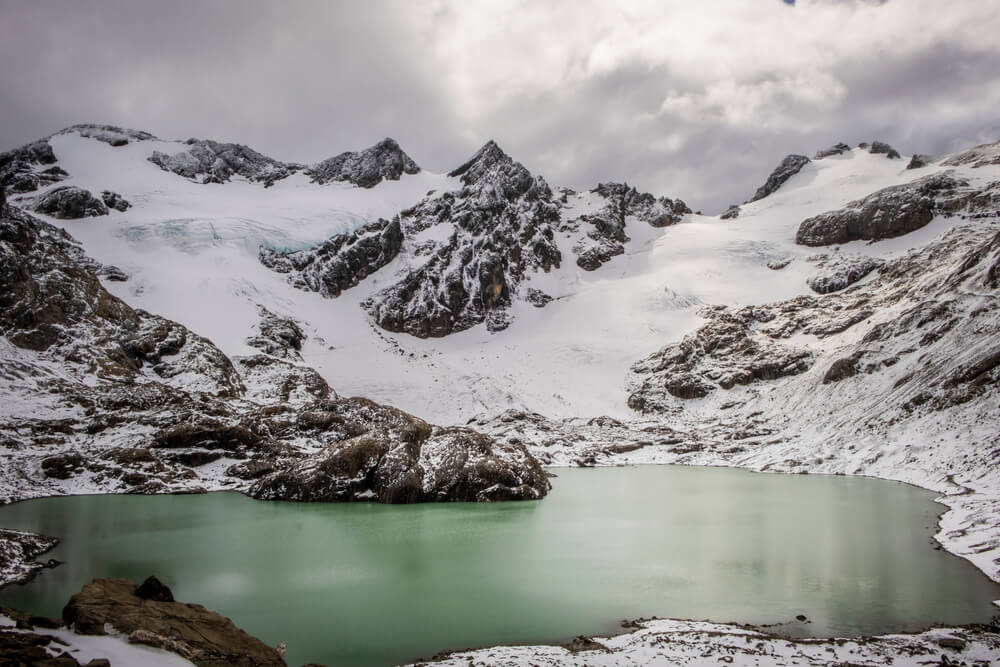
791,165
190,630
383,161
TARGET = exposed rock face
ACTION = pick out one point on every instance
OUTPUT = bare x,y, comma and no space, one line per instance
502,227
278,336
606,237
791,165
383,161
398,458
17,553
836,149
980,156
919,161
142,404
29,167
881,148
190,630
216,162
340,262
889,212
109,134
841,272
722,353
115,201
70,202
731,213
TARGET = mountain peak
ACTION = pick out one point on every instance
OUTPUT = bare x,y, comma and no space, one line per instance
484,159
366,168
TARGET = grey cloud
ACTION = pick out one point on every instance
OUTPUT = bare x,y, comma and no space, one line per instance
305,80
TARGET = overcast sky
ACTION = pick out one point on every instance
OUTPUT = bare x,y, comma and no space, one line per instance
689,99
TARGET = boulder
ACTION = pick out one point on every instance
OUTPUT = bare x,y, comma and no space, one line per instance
200,635
836,149
731,213
70,202
882,148
115,201
842,272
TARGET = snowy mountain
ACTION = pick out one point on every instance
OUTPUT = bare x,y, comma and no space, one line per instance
842,321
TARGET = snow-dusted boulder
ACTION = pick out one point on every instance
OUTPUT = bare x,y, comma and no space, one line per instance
791,165
383,161
115,201
109,134
70,202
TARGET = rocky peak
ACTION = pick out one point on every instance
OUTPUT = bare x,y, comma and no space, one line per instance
109,134
791,165
383,161
216,162
502,222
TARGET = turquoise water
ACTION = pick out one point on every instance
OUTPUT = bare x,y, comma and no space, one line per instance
375,584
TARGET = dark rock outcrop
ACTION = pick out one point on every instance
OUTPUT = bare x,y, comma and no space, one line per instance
109,134
115,201
889,212
340,262
919,161
730,213
30,167
69,202
605,230
18,551
215,162
189,630
791,165
278,336
882,148
401,459
383,161
502,226
980,156
836,149
841,272
722,353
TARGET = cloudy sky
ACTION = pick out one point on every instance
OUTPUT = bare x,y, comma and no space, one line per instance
689,99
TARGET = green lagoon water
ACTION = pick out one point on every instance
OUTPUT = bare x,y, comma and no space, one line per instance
375,585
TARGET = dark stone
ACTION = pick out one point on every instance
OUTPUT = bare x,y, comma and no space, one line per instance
154,589
115,201
845,271
190,630
881,148
731,213
836,149
791,165
919,161
383,161
216,162
70,202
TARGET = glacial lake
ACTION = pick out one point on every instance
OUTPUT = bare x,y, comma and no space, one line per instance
376,585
